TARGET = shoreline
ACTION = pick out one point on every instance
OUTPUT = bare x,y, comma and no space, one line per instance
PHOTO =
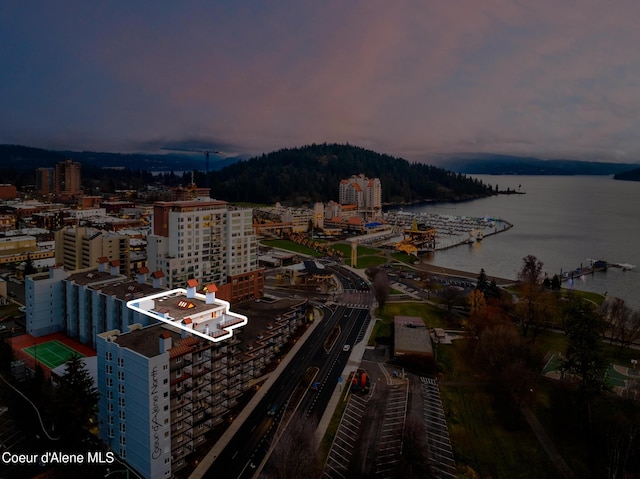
440,270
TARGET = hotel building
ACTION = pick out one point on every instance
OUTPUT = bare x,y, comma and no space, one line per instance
365,193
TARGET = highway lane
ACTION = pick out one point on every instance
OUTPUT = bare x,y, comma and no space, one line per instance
332,363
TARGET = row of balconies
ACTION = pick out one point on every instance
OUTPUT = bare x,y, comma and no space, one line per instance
178,380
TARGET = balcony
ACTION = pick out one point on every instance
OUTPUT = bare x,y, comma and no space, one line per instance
175,381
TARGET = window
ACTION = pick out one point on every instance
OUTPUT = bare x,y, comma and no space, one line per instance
109,382
109,369
110,432
121,362
123,427
109,419
121,388
121,401
123,441
122,415
109,394
120,375
109,407
108,356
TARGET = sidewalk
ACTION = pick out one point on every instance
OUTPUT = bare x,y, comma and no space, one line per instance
355,358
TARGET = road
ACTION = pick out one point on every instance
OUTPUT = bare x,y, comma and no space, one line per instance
251,443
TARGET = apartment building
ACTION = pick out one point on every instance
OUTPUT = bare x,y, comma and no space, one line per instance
84,303
81,247
207,240
165,388
67,178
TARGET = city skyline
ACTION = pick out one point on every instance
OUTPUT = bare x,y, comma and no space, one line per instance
411,79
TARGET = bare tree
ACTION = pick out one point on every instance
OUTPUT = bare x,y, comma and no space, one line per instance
623,322
450,294
501,345
295,454
381,287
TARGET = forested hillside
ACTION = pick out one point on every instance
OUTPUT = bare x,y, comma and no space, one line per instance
632,175
312,173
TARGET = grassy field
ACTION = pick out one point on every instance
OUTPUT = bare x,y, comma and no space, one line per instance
404,257
293,247
481,441
433,317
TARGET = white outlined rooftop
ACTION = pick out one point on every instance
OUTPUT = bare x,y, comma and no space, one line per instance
199,314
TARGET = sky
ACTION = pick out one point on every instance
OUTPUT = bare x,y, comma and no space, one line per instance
413,79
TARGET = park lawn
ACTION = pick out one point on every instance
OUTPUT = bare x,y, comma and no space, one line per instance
432,316
345,249
481,441
291,246
368,261
479,436
404,258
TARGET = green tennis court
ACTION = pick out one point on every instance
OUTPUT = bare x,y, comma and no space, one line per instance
52,353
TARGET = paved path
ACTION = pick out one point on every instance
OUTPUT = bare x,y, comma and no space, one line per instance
547,443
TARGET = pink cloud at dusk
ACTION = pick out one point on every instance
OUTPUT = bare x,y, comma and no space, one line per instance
411,78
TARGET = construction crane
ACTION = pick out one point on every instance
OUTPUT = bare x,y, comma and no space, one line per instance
206,173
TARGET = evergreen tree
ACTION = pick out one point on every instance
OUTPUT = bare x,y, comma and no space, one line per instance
29,268
76,402
482,284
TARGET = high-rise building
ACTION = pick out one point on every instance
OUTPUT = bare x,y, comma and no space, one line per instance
365,193
67,178
207,240
162,388
44,180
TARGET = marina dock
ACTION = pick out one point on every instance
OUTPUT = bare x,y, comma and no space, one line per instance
450,231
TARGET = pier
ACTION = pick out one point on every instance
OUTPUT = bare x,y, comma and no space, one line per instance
593,267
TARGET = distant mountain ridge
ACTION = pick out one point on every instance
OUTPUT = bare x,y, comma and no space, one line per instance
489,164
22,158
293,175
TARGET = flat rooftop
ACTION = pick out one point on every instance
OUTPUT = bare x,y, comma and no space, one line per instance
411,336
200,314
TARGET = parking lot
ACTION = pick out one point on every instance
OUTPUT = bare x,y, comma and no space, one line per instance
369,439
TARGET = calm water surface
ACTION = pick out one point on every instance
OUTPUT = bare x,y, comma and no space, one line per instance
562,220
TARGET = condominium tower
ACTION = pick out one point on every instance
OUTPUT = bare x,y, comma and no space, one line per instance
210,241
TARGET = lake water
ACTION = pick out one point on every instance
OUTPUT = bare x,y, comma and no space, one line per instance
564,221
